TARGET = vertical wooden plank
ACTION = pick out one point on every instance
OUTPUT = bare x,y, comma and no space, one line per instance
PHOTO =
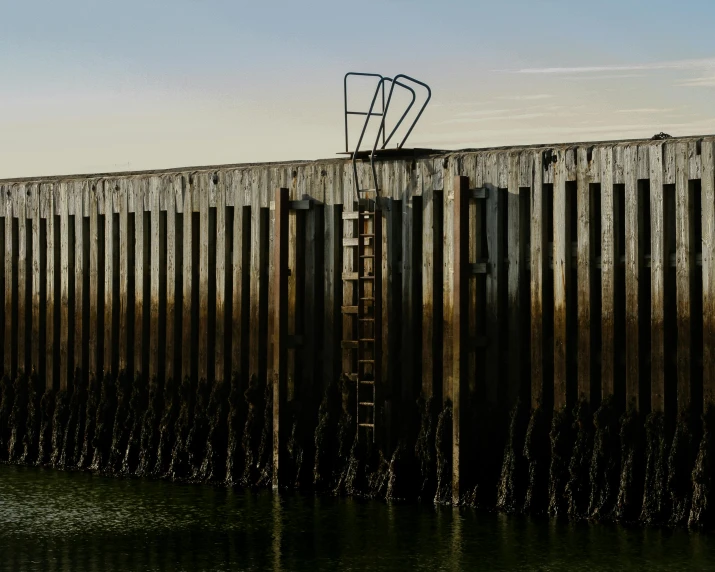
219,357
50,289
202,188
8,280
188,271
708,261
538,267
124,245
278,327
108,274
562,279
495,243
64,283
609,252
634,264
140,296
657,266
428,281
79,266
174,186
460,320
448,170
684,262
21,213
584,262
34,214
155,184
516,247
333,291
257,259
94,358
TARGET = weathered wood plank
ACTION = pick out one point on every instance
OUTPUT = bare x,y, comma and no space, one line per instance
584,209
562,280
658,263
94,302
609,252
684,256
154,189
495,242
8,350
517,243
34,215
125,244
22,309
220,309
278,329
50,309
188,270
708,264
538,260
174,185
459,324
430,241
141,301
634,222
202,186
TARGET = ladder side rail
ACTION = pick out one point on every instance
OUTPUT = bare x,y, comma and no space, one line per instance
382,127
387,107
419,114
345,98
364,128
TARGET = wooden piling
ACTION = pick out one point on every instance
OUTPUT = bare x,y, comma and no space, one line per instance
459,323
684,263
708,263
562,280
278,328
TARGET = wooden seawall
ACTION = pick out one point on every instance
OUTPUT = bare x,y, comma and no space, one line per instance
549,275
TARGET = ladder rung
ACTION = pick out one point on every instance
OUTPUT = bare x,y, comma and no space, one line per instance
365,381
366,361
367,256
367,425
368,403
366,340
366,319
349,344
367,278
368,298
367,235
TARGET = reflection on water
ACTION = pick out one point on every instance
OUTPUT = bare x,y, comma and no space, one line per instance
77,521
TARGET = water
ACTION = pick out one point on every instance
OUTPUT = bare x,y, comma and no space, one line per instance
54,520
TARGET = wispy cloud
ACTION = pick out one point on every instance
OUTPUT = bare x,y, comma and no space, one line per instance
494,118
708,81
532,97
672,65
647,110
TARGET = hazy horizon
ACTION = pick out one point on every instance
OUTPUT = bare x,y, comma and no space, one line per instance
95,87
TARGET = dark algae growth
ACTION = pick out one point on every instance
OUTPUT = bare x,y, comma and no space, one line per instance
571,463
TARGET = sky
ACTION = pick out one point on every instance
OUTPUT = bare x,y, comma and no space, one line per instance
97,86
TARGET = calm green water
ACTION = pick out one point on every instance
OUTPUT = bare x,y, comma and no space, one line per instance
77,521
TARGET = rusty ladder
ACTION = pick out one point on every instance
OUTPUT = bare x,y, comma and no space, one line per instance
366,310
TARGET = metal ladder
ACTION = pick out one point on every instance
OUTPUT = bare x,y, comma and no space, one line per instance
366,309
365,336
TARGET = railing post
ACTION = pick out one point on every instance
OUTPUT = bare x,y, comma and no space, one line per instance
278,327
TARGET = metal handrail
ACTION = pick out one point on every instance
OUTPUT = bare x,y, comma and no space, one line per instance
380,85
385,108
345,98
424,105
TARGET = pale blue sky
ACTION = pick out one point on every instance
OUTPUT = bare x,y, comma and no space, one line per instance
103,86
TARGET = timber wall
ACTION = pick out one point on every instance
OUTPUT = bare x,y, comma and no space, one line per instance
550,275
